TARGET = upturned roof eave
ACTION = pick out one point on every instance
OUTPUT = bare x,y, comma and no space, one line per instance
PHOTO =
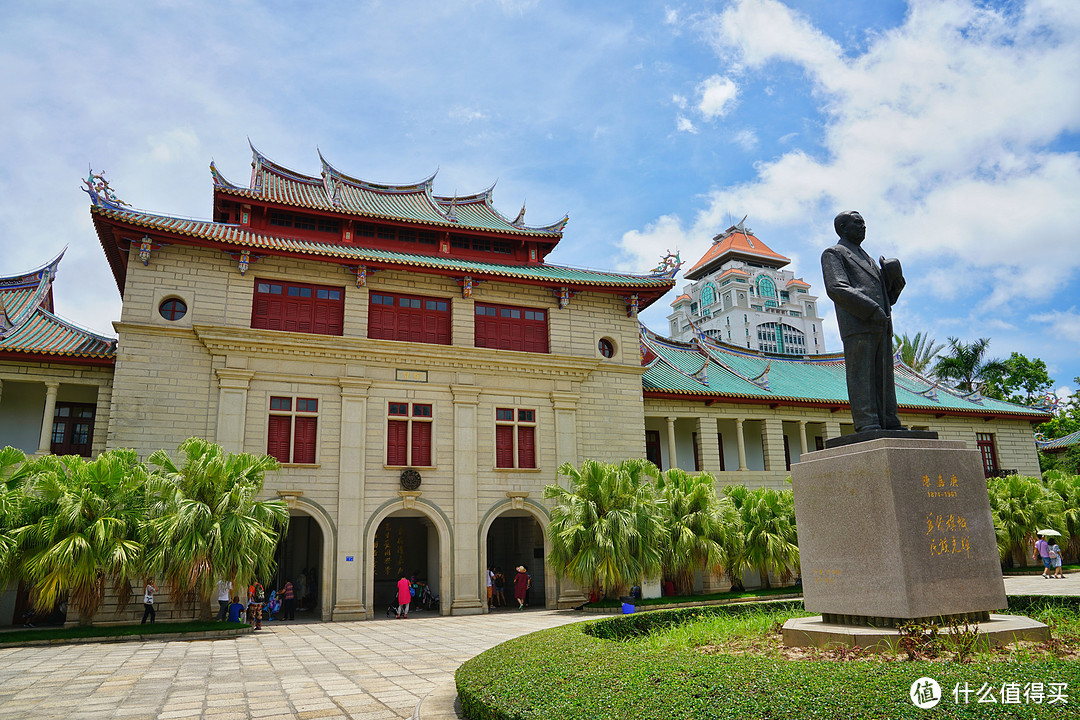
647,288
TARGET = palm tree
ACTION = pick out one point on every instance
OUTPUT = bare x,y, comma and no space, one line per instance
81,527
606,528
917,352
964,364
1020,506
1067,488
206,522
770,541
696,523
14,472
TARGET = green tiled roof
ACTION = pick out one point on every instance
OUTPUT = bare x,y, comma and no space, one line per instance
236,237
340,193
1061,443
30,328
730,372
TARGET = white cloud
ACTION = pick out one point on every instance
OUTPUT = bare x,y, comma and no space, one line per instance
466,115
1063,326
683,124
671,16
940,133
746,139
679,100
717,96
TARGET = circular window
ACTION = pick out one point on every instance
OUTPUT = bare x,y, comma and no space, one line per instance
172,309
607,349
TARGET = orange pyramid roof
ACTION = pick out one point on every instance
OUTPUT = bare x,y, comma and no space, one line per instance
737,242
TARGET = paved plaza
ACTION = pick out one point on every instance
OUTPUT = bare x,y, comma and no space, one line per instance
364,670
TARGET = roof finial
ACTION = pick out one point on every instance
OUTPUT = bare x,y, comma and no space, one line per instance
520,219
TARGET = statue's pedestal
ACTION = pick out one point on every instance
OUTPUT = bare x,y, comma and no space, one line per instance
896,529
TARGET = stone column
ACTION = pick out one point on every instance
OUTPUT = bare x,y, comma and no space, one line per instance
803,446
468,575
569,593
672,460
462,322
740,440
830,430
103,409
772,433
233,386
45,441
352,561
709,444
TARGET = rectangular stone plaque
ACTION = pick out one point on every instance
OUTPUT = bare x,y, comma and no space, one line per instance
419,376
896,528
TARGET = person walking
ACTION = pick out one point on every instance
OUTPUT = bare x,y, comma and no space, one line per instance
1055,561
148,602
490,585
404,597
288,601
256,598
521,586
224,592
1042,552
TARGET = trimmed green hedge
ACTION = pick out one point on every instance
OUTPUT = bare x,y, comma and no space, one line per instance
637,625
573,672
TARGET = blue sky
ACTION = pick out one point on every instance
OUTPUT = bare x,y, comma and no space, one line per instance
952,125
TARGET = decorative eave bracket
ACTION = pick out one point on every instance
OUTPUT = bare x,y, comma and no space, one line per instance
633,302
243,259
467,284
146,245
564,294
361,272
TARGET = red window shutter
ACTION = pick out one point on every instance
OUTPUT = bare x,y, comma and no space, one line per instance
304,444
279,434
526,447
321,323
504,446
260,313
396,434
421,444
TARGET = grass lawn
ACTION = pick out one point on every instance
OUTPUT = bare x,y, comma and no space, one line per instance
112,631
730,662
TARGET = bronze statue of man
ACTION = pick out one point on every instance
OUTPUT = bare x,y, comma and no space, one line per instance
864,292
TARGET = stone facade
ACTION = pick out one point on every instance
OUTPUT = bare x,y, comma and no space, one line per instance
210,374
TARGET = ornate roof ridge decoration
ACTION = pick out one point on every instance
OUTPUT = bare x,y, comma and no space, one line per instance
1048,402
669,266
701,341
762,380
261,162
483,196
101,194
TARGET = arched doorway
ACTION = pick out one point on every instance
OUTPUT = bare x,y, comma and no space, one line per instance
299,559
405,543
515,536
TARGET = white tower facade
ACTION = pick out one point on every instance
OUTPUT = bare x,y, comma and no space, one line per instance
742,296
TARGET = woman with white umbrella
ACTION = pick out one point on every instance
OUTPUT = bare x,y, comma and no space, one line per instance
1049,554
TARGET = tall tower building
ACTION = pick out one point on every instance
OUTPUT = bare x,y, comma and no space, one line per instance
741,295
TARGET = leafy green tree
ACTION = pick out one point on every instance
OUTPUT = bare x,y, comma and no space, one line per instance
917,352
770,540
606,528
206,522
696,521
1020,506
964,364
1020,380
80,531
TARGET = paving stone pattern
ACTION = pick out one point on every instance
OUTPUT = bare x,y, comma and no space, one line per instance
361,670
